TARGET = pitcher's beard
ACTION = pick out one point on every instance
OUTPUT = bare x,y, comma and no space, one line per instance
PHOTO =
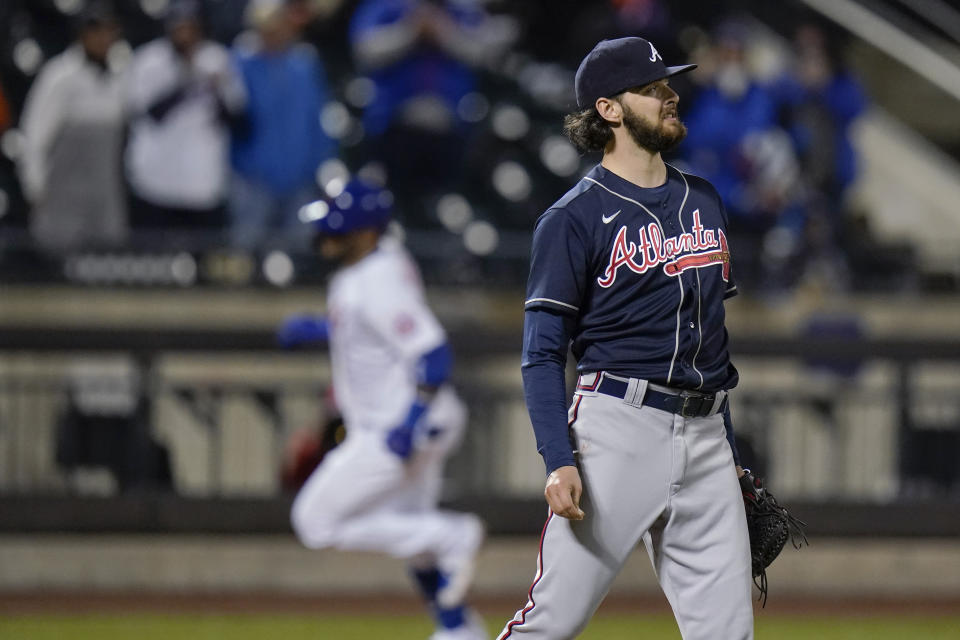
656,138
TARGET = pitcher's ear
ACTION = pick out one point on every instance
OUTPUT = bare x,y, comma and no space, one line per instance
610,109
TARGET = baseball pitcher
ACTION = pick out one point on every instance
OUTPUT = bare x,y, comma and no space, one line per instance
631,268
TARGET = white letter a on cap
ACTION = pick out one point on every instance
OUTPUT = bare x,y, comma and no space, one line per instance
654,54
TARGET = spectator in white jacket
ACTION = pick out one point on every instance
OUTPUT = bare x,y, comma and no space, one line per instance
183,94
73,130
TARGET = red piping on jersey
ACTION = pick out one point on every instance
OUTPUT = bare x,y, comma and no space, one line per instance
530,603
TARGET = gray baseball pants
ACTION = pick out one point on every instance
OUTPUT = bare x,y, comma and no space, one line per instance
656,476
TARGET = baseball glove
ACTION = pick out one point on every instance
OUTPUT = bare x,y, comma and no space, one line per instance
769,526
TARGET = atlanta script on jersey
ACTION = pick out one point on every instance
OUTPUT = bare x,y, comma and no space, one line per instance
642,271
690,250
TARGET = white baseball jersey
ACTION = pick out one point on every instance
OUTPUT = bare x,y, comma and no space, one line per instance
380,325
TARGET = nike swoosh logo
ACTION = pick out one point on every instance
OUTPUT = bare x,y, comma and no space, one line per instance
609,219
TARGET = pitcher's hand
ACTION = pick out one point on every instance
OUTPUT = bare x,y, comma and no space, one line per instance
563,492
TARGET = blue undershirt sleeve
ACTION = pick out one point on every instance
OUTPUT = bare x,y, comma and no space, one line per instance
546,338
433,369
728,425
435,366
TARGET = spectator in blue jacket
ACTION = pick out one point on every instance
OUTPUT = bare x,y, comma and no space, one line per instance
276,153
735,142
422,58
819,100
731,107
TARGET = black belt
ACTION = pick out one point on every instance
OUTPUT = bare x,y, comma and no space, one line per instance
685,403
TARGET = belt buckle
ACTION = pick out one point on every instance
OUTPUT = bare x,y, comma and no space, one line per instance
689,409
685,404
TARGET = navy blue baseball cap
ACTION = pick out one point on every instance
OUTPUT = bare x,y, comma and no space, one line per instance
361,205
613,66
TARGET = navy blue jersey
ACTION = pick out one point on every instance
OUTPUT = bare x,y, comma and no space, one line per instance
643,273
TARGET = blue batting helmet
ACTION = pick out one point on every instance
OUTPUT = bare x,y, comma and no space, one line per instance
361,205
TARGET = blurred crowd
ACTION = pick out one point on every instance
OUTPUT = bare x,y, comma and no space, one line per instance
189,124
